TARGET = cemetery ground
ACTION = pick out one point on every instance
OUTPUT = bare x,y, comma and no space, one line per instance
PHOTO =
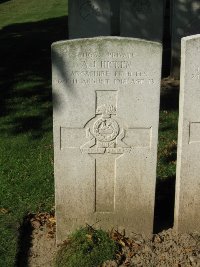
27,30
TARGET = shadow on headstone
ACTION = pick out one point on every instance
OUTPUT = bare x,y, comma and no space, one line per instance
185,22
63,74
142,19
166,59
91,18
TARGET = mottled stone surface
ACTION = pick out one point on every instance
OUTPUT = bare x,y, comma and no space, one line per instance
142,19
106,106
187,215
90,18
185,22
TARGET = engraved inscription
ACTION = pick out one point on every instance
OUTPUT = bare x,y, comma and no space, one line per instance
111,76
115,69
92,73
115,64
90,81
121,55
114,55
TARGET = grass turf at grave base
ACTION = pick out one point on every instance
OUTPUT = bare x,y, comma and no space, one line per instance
27,29
85,248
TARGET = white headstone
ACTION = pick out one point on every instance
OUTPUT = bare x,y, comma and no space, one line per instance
187,208
142,19
185,22
106,108
90,18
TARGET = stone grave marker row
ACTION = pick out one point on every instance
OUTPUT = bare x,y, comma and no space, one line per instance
130,18
105,132
142,19
187,215
135,18
89,18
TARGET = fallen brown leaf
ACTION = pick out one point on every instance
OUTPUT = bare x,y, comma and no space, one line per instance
4,211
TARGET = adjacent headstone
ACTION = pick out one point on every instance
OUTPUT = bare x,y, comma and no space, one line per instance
142,19
185,22
106,108
187,208
90,18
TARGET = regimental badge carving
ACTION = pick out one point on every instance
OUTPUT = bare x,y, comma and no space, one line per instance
106,128
105,131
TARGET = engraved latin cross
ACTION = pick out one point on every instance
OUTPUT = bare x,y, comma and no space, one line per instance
108,139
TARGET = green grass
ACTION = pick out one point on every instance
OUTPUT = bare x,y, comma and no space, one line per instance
21,11
86,247
27,29
167,144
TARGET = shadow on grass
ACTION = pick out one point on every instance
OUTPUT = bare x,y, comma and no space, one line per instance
167,154
3,1
164,204
24,242
25,71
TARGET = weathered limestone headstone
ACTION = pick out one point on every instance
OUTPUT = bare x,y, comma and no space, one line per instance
142,19
187,208
90,18
185,22
106,108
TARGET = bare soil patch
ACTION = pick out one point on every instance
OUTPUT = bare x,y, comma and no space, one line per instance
164,249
